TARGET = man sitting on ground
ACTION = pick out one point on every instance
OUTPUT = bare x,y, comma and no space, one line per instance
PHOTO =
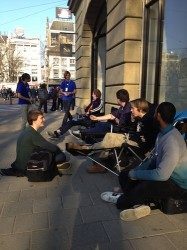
28,141
93,108
159,177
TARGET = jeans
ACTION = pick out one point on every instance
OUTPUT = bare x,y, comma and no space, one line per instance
66,106
82,122
24,112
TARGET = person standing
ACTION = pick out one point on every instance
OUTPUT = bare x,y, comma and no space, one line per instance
42,96
24,98
68,89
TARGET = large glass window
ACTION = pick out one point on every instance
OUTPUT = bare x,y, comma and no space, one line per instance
151,43
173,84
152,51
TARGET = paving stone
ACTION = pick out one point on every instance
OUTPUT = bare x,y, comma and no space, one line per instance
88,234
156,224
121,245
15,208
50,239
30,222
76,200
1,207
179,220
65,217
33,194
55,191
95,213
154,243
50,204
81,248
21,184
179,239
118,230
6,225
4,186
15,241
96,198
9,196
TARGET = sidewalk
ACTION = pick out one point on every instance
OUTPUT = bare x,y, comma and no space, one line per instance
68,213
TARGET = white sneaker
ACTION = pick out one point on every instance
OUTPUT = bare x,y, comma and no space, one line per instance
110,197
135,213
76,133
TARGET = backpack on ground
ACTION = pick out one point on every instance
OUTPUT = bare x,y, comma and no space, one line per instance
174,206
41,166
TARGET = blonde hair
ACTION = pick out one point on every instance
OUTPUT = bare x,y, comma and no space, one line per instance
141,104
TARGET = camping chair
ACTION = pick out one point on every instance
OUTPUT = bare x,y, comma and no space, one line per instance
113,143
180,123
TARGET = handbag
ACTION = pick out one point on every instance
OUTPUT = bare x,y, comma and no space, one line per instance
41,166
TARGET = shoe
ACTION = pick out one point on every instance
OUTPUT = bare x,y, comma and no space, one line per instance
64,168
77,134
110,197
53,135
96,168
11,172
135,213
76,149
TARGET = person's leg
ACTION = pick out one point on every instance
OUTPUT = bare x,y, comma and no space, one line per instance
45,106
24,111
63,129
40,104
66,105
93,134
146,192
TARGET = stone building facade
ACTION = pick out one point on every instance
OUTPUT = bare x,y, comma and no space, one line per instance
131,44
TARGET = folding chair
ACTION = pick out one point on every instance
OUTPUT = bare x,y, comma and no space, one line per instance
112,142
180,123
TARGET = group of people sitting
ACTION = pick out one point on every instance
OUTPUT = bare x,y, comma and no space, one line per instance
160,176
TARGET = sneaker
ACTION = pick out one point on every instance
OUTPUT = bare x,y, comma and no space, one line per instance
135,213
76,133
110,197
53,135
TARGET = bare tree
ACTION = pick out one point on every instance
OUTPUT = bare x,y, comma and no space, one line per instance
10,62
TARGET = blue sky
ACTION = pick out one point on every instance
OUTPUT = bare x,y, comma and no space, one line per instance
29,15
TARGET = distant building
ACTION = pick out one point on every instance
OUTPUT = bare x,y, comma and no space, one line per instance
30,51
59,49
27,52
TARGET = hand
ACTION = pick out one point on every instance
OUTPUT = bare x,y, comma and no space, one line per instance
93,118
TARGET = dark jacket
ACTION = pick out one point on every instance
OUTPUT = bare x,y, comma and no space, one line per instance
94,107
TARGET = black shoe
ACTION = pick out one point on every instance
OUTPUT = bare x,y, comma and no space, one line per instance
11,172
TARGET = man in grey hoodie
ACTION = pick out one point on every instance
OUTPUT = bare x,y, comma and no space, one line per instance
161,176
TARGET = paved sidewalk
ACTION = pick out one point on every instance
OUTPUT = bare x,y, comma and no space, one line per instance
68,213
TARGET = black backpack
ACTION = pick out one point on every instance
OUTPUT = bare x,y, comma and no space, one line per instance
41,166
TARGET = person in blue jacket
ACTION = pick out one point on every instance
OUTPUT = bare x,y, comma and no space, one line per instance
68,90
23,93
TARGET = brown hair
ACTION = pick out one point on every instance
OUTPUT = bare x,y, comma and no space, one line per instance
141,104
122,95
33,115
66,73
97,92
